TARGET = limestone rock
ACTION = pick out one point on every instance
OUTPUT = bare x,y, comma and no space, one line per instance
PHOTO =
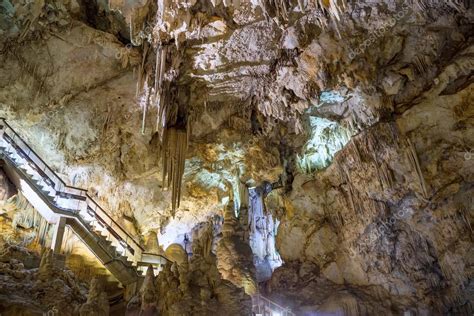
97,301
371,216
234,255
46,268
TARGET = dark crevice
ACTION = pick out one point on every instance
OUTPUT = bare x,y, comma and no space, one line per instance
97,15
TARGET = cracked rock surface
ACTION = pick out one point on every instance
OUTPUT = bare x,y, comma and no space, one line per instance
358,113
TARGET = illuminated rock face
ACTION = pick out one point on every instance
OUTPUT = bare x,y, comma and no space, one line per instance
359,113
326,139
262,231
7,189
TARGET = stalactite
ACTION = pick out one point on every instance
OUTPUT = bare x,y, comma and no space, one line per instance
131,29
279,6
334,8
371,142
162,103
175,143
301,5
145,109
356,151
413,158
162,5
157,85
142,75
464,217
69,241
28,217
386,176
350,191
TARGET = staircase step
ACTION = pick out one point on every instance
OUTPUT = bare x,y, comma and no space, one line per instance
48,195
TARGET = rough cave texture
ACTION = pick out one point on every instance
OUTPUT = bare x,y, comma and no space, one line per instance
354,119
29,289
191,288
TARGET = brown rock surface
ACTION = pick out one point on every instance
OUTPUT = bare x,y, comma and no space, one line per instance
358,113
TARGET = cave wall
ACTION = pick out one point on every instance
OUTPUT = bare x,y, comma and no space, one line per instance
386,218
393,210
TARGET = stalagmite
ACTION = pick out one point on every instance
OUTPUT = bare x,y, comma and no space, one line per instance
151,243
97,302
234,255
262,235
46,268
230,221
148,293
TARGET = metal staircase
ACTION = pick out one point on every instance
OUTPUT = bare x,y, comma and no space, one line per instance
69,206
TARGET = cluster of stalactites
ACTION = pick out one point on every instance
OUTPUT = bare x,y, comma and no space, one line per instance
175,143
282,8
28,217
154,91
335,8
166,113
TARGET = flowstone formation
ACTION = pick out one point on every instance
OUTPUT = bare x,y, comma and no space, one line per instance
318,153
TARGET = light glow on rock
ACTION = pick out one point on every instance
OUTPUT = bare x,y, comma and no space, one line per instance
326,139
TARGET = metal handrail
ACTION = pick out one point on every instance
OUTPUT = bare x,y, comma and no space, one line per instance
61,188
31,153
286,310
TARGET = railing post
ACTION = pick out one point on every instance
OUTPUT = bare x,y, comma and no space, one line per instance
126,246
58,235
110,232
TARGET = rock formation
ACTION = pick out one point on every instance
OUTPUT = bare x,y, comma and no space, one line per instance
46,268
342,130
196,287
97,301
234,255
151,244
146,302
7,189
25,291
